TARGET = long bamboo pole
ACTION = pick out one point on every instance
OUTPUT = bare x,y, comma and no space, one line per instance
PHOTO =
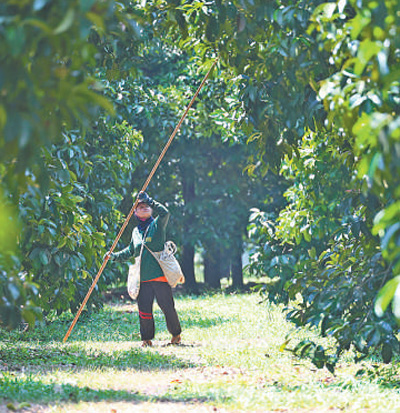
145,185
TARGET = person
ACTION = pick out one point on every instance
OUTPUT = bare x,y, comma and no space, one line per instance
153,283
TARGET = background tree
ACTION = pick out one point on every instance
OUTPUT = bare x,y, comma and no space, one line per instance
48,87
203,171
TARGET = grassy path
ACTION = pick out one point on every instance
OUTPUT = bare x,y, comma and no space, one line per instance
229,361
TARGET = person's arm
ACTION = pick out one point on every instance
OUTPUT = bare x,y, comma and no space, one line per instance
162,211
125,254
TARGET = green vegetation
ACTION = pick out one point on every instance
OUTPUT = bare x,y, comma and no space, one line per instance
231,358
291,153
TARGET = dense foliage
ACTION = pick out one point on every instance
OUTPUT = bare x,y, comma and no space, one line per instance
313,86
53,205
336,243
320,94
66,200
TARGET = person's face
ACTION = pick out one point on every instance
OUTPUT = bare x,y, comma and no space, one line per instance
143,211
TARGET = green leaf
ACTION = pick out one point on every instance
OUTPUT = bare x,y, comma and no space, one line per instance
393,229
62,242
330,367
325,10
14,291
284,345
66,23
356,100
39,4
40,24
312,253
366,51
385,296
44,257
396,304
29,317
64,175
307,235
358,24
327,88
376,337
341,5
96,20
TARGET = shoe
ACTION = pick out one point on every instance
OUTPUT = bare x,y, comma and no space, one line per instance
176,339
147,343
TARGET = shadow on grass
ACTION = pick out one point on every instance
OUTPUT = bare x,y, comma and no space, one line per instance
119,323
17,389
42,358
200,319
387,376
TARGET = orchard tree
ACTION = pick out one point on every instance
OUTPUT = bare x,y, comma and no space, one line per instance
365,88
339,211
49,87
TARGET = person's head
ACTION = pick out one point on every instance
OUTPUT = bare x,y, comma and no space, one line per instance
143,211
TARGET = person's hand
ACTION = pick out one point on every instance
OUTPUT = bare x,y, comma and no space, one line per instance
143,197
107,254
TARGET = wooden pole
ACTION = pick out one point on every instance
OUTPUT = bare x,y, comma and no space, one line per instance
145,185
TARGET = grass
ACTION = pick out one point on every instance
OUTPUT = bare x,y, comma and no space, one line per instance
230,360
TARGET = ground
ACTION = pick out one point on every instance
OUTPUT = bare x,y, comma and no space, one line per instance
230,360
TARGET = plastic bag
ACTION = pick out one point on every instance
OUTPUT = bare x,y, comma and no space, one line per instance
169,264
134,279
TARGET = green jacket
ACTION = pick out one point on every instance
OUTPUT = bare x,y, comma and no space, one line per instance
155,239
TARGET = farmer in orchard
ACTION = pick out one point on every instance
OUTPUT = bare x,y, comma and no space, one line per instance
153,283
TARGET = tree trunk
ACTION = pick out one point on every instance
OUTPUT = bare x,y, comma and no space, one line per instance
225,263
188,268
212,268
237,268
189,197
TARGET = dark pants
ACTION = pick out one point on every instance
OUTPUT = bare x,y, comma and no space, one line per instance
163,293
